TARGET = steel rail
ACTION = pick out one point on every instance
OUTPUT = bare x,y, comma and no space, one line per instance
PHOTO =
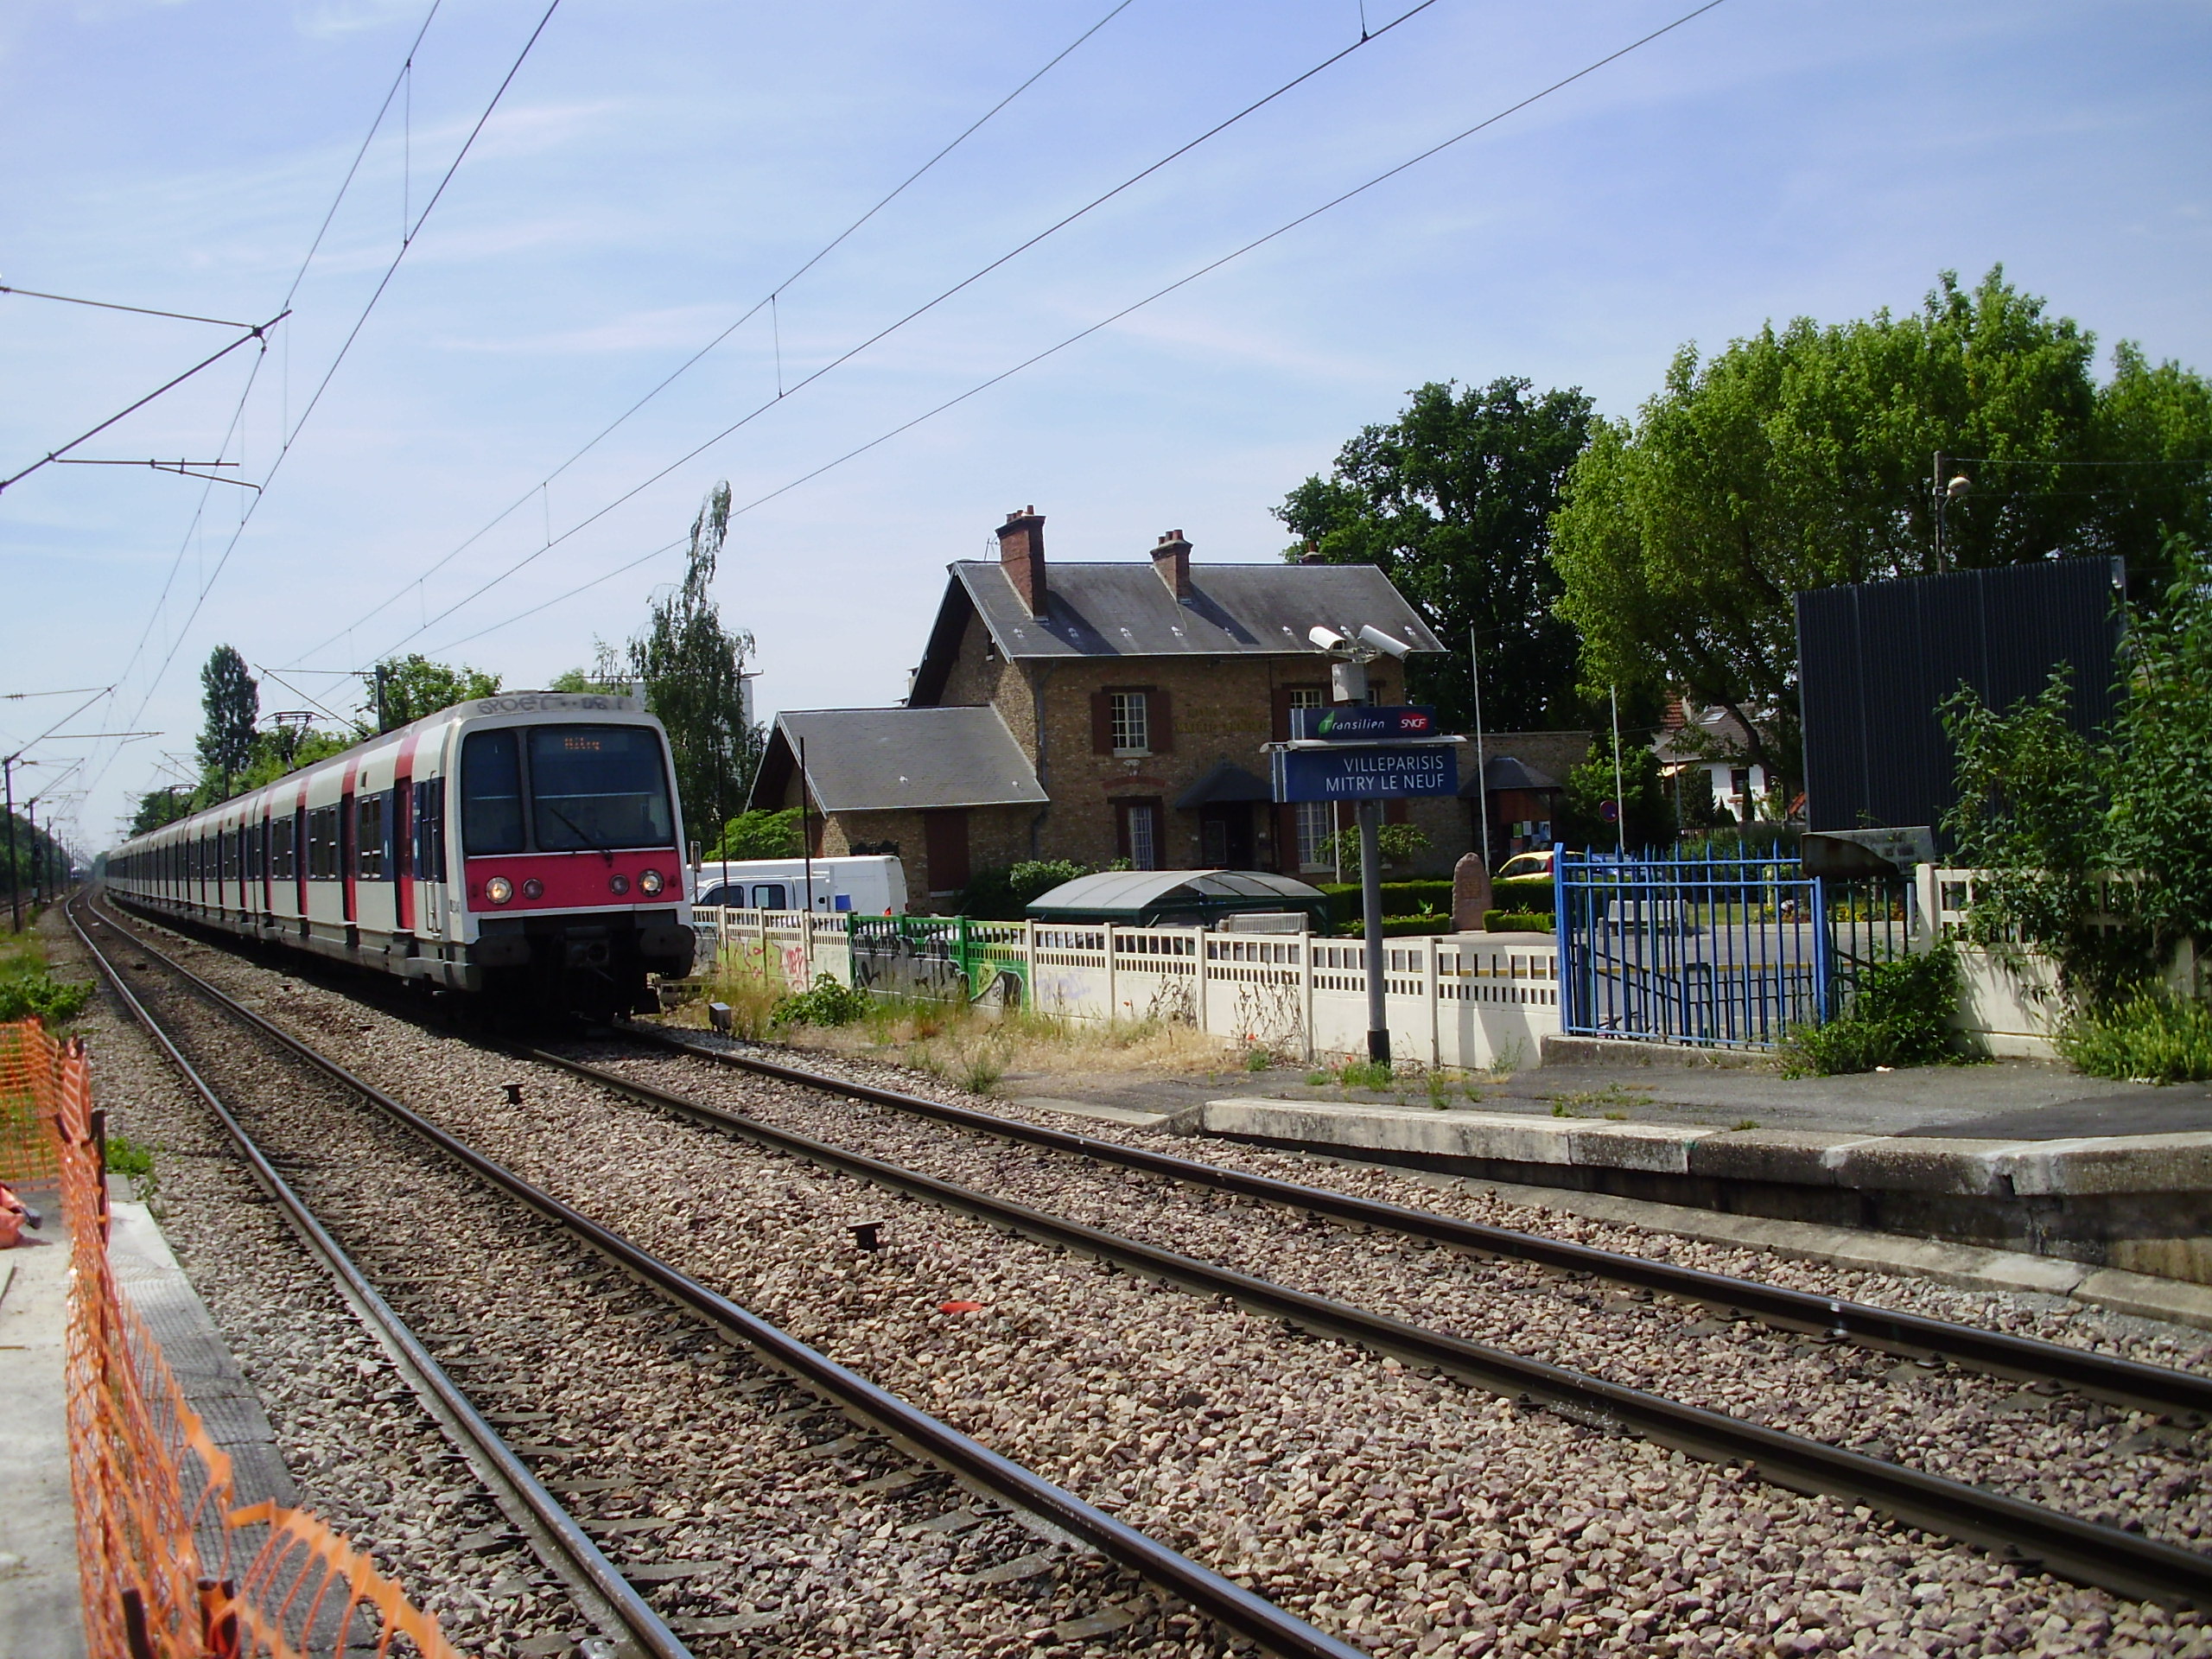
2082,1550
1226,1603
2148,1388
600,1592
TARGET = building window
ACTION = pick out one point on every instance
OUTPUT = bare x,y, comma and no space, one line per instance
1314,829
1307,697
1141,834
1132,731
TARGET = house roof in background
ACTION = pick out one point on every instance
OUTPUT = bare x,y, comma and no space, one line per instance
1225,785
1124,609
1509,772
883,760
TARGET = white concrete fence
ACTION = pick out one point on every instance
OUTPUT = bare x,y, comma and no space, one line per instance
1457,1001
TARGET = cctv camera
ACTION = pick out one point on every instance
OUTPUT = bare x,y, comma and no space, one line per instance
1327,639
1381,641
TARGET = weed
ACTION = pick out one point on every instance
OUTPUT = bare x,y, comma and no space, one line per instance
828,1003
1899,1015
1607,1099
1439,1090
1507,1060
1366,1074
1561,1108
1617,1117
1318,1079
1747,1122
134,1161
39,996
981,1069
1257,1059
2150,1037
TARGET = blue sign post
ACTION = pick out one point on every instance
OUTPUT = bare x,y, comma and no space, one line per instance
1366,755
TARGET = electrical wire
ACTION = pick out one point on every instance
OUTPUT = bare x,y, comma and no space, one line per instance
109,305
919,311
1105,322
285,447
767,301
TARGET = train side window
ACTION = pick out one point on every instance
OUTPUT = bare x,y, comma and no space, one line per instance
281,850
491,793
370,856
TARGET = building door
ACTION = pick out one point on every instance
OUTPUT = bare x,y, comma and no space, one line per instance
944,840
1225,835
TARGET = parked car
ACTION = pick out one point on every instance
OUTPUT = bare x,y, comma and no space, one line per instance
1526,864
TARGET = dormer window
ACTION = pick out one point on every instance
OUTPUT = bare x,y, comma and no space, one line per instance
1132,725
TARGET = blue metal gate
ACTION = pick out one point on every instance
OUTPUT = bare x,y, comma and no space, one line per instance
1725,950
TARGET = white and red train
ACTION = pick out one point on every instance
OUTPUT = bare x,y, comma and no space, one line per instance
523,846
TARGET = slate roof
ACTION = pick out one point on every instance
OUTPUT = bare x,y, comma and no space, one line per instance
1509,772
1124,609
880,759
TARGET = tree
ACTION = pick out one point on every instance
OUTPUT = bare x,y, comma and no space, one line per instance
1453,501
232,700
760,834
1645,808
1799,458
693,670
414,686
157,807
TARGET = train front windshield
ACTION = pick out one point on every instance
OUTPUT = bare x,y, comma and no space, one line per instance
598,787
590,788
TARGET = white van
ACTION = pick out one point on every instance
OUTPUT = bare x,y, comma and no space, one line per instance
872,886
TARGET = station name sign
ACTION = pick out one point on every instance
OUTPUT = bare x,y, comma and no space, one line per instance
1364,773
1360,724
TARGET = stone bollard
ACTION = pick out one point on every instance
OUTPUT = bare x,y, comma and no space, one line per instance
1470,894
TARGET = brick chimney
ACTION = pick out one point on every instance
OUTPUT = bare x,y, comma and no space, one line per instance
1674,719
1021,553
1172,558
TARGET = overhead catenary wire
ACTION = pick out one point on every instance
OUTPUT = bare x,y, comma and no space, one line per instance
927,306
237,415
767,300
284,448
1083,334
109,305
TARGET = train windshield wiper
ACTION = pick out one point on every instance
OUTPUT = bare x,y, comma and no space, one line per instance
606,852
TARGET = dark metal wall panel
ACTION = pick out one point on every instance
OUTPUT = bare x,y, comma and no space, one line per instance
1876,659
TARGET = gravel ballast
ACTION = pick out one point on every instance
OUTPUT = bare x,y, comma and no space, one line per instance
1410,1514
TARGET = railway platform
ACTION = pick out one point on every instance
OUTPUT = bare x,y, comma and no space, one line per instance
2011,1174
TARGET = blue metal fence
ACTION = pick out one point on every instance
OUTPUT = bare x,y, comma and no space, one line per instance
1725,950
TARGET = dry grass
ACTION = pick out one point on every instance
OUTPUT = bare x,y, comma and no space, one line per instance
972,1047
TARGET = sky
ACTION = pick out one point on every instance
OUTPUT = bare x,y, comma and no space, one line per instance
460,338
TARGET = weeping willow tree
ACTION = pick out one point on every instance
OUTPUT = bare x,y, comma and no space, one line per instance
693,671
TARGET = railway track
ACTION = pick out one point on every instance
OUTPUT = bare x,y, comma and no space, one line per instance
888,1426
2123,1382
2108,1556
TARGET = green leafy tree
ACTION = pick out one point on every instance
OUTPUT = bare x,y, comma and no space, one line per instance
1399,843
157,807
606,673
693,671
1453,501
2099,853
1799,457
413,686
231,700
1647,805
290,747
760,834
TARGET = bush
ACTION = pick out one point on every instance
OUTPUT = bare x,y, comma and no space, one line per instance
1396,927
41,996
1900,1015
1003,894
1398,898
1526,892
2150,1037
1518,921
759,833
827,1003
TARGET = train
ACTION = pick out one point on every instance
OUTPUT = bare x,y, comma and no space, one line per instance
522,849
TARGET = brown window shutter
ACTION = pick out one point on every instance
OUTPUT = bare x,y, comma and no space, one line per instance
1286,840
1161,717
1396,810
1102,723
1279,719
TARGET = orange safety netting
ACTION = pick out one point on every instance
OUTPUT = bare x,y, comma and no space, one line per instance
27,1063
158,1537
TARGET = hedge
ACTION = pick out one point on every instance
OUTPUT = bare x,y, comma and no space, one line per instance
1524,892
1516,921
1402,898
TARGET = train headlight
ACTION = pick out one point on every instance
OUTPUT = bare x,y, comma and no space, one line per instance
499,889
621,884
533,888
649,882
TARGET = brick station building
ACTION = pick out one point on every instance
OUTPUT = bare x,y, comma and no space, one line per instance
1095,712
